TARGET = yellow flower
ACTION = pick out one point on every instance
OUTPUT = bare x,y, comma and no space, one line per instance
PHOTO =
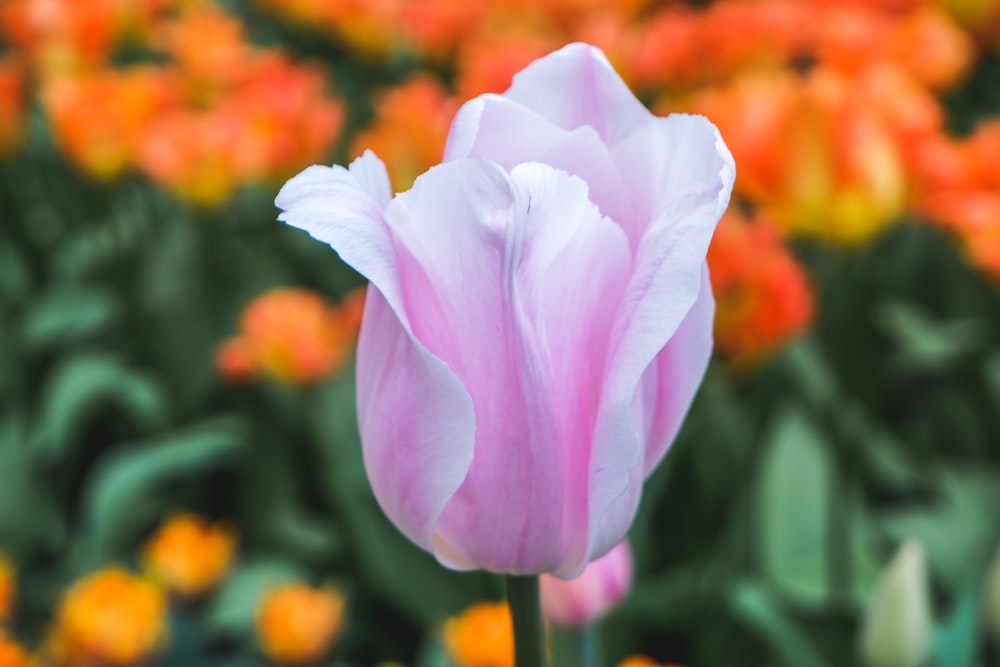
482,636
109,619
189,554
298,625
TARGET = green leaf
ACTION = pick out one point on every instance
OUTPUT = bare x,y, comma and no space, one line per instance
27,512
793,510
126,487
232,610
957,641
757,610
432,654
959,528
82,384
926,344
68,315
391,564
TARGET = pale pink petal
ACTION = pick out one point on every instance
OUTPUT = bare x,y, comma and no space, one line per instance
495,292
689,186
415,464
510,134
664,396
577,86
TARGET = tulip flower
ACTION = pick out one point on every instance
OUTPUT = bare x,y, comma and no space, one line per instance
604,582
539,316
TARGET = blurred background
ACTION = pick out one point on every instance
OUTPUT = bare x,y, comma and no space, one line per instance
180,470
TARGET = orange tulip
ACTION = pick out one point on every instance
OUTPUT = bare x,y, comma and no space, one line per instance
482,636
109,619
298,625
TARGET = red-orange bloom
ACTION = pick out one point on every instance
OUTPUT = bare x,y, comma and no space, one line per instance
813,158
298,625
763,297
924,42
61,35
7,591
189,554
292,335
100,120
410,129
488,64
12,107
958,188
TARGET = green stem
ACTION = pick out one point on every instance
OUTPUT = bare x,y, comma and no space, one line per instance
526,612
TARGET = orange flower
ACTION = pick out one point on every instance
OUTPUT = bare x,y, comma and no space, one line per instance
293,336
682,48
259,122
13,654
12,107
60,35
7,591
488,64
101,119
109,619
813,158
298,625
189,554
289,119
642,661
958,188
191,154
763,297
924,42
410,129
482,636
209,47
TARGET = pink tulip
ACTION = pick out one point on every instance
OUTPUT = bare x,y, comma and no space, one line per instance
583,600
539,316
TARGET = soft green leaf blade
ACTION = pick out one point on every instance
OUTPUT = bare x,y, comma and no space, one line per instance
761,613
87,382
68,315
957,640
125,488
793,510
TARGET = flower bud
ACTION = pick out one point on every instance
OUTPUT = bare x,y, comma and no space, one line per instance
586,598
897,626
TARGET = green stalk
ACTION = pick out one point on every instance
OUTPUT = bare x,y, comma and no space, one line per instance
526,612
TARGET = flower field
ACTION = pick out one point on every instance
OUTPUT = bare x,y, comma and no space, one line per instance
182,476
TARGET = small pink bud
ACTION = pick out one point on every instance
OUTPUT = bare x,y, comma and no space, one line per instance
586,598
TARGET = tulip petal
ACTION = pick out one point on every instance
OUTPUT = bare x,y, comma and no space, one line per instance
510,134
577,86
688,185
498,262
666,391
405,435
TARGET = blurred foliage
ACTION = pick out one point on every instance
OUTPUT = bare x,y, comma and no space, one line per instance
758,541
